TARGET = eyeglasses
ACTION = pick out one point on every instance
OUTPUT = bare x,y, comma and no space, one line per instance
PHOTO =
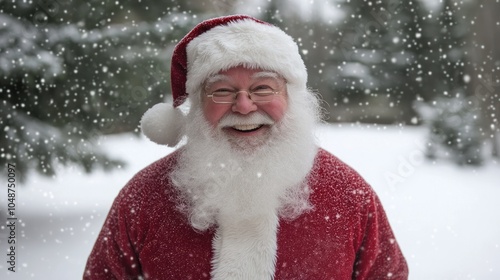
225,96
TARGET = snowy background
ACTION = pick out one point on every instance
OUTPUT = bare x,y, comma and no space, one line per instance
446,218
72,71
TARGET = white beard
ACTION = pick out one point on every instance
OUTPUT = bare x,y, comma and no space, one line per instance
242,188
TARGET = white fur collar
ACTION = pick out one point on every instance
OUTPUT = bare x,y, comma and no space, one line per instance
246,249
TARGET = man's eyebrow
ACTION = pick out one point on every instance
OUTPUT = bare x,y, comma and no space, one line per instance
224,78
265,74
216,78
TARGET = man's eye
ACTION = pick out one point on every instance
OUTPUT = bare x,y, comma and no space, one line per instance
262,87
263,90
223,92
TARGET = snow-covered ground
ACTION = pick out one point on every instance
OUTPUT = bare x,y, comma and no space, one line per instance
446,218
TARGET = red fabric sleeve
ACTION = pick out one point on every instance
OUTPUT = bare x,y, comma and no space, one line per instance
113,256
379,256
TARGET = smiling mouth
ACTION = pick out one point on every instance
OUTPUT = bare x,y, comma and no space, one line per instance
247,127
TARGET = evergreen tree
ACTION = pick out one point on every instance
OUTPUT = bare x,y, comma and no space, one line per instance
369,68
453,130
73,70
484,70
452,114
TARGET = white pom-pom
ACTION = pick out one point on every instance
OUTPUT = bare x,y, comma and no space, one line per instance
162,124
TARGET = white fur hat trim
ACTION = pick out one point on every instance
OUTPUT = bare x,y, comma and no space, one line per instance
248,43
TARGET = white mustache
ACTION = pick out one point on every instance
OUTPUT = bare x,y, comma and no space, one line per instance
238,120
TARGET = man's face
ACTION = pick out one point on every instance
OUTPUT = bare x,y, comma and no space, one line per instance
243,80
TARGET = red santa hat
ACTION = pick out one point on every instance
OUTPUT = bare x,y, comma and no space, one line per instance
215,45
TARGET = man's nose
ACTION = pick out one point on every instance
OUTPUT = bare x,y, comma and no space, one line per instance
243,103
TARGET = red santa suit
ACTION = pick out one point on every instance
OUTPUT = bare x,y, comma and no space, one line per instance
345,236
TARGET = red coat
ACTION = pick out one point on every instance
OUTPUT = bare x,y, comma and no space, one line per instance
346,236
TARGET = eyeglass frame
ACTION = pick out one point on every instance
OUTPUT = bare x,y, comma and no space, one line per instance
250,94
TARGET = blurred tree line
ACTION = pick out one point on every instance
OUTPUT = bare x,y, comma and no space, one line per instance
72,70
408,62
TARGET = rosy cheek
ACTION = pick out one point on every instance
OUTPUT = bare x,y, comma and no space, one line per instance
214,112
276,109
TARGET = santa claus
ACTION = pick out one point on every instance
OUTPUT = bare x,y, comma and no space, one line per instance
248,194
